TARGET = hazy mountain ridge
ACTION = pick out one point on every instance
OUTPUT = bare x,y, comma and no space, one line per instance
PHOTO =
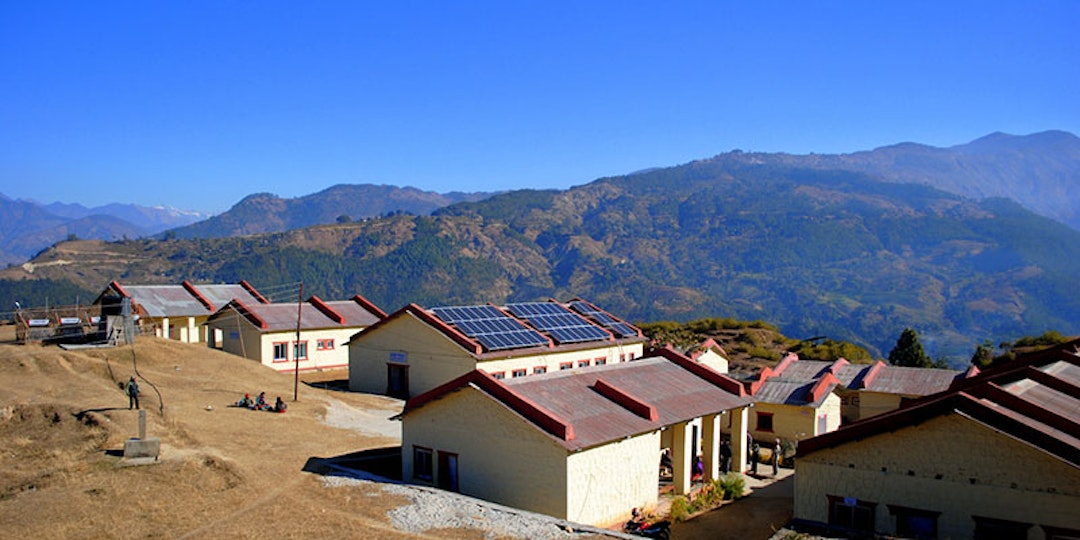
268,213
1040,171
27,227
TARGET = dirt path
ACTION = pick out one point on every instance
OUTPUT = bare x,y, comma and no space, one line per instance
755,517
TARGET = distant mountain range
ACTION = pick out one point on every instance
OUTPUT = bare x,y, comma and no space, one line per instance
27,227
268,213
791,240
1040,171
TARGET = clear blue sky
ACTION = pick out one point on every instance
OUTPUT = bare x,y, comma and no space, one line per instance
196,104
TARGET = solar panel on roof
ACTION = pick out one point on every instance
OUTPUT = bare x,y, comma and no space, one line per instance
526,310
562,324
609,322
578,334
623,329
453,314
511,340
490,326
562,320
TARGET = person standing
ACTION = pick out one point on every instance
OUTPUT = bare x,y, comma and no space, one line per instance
776,451
725,457
754,457
132,390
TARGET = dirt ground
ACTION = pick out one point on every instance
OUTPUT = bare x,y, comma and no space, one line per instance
223,471
756,517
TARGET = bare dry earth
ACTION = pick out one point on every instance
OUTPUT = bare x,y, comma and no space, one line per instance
223,471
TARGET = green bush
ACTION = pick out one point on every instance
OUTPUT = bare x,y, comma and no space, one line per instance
732,485
680,509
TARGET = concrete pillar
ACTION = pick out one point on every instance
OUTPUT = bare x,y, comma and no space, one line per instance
682,458
710,442
740,451
192,333
164,327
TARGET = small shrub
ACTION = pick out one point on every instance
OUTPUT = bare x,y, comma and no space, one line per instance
680,509
733,485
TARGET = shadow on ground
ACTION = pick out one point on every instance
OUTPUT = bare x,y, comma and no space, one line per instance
378,464
754,517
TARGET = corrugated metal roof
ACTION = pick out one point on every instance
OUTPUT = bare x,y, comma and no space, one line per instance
1034,398
677,395
280,317
354,313
166,301
806,370
176,301
219,295
912,381
847,374
784,392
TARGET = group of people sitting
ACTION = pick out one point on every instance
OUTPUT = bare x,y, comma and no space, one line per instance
260,404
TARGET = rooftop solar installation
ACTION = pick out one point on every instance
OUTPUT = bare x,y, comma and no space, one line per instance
492,328
454,314
609,322
563,325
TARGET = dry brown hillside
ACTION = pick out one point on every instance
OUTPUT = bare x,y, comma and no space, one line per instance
223,472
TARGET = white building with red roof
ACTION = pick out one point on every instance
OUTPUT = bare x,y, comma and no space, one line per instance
996,455
175,311
582,444
416,349
287,336
798,399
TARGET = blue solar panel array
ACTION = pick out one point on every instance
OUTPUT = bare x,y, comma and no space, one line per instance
618,327
562,324
492,328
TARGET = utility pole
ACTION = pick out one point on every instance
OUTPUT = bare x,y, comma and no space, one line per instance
296,345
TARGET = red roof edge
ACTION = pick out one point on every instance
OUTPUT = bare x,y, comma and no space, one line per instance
701,370
369,305
198,295
116,286
762,377
626,400
543,418
970,372
823,386
870,374
706,345
251,290
791,358
326,310
839,363
459,338
248,314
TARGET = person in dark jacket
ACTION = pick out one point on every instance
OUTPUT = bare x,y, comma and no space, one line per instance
132,391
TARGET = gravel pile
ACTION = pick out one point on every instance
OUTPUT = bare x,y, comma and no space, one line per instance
437,509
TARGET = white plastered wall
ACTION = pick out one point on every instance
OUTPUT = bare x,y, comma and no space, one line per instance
949,464
433,359
501,457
